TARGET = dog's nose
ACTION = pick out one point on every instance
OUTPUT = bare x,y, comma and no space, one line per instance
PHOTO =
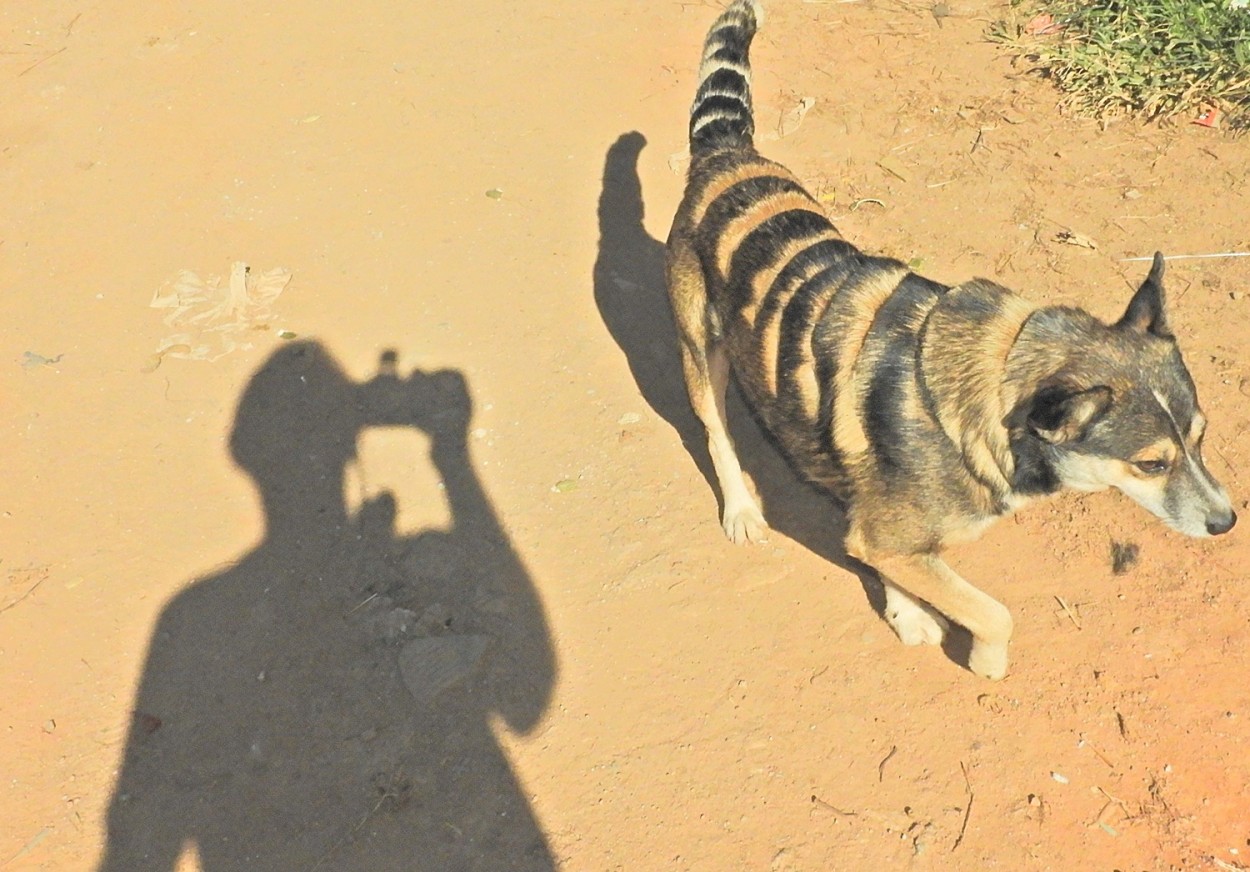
1223,525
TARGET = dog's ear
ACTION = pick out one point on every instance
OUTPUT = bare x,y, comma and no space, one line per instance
1062,414
1145,310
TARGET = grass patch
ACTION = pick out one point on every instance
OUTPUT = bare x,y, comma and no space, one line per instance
1154,58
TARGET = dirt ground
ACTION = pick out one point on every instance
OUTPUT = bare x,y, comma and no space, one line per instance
219,576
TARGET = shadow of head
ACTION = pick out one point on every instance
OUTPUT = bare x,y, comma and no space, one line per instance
296,422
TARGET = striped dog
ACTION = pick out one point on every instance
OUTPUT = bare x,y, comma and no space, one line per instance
926,411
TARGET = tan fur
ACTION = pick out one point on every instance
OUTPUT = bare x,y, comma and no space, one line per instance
731,237
740,173
963,366
848,429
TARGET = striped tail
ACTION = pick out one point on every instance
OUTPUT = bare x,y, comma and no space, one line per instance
721,116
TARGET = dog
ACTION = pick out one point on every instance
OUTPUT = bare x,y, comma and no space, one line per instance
926,411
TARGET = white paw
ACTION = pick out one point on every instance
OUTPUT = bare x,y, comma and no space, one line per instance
744,522
915,624
988,660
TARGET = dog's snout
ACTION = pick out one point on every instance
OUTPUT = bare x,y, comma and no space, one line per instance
1220,526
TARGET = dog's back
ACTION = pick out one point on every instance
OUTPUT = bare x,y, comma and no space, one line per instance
823,338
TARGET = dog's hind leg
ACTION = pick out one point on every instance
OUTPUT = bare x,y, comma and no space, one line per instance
913,621
742,519
705,365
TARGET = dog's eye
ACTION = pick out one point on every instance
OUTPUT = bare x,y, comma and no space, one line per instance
1152,467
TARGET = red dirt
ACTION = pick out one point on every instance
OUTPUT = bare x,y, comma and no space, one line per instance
654,698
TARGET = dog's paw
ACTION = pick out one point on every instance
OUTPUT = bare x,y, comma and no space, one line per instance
744,523
915,624
988,660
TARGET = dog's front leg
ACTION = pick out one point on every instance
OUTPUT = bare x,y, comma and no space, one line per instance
927,577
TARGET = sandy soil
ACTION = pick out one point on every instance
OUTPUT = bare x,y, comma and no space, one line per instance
212,571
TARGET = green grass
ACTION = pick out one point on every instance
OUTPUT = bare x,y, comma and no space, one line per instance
1154,58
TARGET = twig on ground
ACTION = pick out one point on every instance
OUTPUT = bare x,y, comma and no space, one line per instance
32,589
46,57
833,808
963,828
1067,611
884,760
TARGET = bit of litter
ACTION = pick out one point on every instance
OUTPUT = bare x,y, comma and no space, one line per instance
1234,867
886,759
1071,237
1188,256
30,360
1042,25
963,828
563,486
309,119
893,167
1209,117
1062,779
33,843
792,118
286,334
816,800
214,317
495,193
153,361
855,206
1072,617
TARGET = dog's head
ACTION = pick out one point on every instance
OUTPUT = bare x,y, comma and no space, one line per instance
1124,413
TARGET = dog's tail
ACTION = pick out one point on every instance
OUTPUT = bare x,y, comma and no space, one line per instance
721,116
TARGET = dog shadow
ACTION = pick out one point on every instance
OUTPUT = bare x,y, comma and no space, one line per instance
330,699
630,292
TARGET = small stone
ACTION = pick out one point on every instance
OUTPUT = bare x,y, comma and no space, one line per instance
629,418
1062,779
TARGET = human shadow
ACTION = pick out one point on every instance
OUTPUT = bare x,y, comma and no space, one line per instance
326,703
629,283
